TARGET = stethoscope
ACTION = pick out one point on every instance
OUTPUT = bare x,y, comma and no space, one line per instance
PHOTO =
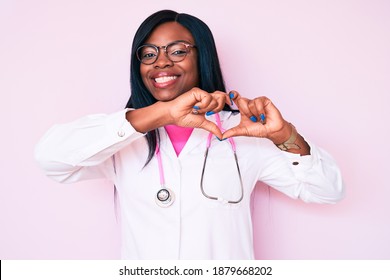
165,196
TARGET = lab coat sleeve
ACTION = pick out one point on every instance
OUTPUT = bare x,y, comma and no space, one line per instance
312,178
84,149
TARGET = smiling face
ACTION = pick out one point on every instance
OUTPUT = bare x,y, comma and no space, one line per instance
166,79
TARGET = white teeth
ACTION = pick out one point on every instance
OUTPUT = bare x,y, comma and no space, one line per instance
165,79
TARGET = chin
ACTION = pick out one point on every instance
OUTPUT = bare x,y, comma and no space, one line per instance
165,96
165,99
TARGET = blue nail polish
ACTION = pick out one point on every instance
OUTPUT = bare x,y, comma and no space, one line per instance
231,96
253,119
210,113
262,118
196,107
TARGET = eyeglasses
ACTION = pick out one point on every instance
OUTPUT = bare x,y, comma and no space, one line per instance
175,52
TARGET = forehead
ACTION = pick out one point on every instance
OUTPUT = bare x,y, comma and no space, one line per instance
168,32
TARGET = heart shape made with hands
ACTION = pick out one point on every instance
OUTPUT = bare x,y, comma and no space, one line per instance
259,116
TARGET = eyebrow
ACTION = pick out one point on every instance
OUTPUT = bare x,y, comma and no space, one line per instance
176,41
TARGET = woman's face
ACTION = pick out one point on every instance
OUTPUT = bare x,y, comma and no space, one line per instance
166,79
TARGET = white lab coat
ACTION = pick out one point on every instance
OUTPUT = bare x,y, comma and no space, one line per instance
194,227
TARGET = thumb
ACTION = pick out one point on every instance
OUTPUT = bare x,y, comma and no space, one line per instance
234,131
211,127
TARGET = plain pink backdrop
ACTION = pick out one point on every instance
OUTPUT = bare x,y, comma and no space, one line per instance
325,64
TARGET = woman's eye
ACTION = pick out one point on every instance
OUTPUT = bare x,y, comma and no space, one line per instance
179,52
148,55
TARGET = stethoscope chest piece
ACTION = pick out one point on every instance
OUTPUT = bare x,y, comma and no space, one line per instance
165,197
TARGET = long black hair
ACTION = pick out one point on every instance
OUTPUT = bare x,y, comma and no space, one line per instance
210,74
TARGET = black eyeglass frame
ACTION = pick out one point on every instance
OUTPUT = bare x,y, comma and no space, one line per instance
157,48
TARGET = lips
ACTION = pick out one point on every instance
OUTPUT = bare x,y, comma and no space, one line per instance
164,79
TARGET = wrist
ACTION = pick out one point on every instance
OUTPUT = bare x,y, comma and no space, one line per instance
163,113
290,143
149,118
282,135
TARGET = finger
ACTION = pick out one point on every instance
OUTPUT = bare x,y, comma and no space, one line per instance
190,101
257,109
234,96
229,98
253,110
205,101
270,110
217,104
235,131
211,127
209,102
212,107
242,105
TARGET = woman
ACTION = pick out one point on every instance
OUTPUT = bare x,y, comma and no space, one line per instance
177,200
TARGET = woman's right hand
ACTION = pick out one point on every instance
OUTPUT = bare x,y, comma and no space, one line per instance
189,109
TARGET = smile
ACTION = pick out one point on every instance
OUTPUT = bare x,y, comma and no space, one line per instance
165,79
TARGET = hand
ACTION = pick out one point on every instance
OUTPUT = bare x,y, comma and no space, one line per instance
189,109
259,118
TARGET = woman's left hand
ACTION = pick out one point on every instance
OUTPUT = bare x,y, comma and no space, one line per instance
259,118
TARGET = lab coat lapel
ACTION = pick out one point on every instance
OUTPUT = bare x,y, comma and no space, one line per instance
197,139
166,144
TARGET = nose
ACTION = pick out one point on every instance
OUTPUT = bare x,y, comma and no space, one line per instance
162,60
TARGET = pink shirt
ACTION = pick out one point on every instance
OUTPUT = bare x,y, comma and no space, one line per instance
179,136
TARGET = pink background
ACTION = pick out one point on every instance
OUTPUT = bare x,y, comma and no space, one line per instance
325,64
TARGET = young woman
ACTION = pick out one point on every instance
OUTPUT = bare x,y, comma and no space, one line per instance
184,164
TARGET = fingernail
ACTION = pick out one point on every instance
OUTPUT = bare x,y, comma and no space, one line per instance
231,96
210,113
253,119
262,118
196,107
